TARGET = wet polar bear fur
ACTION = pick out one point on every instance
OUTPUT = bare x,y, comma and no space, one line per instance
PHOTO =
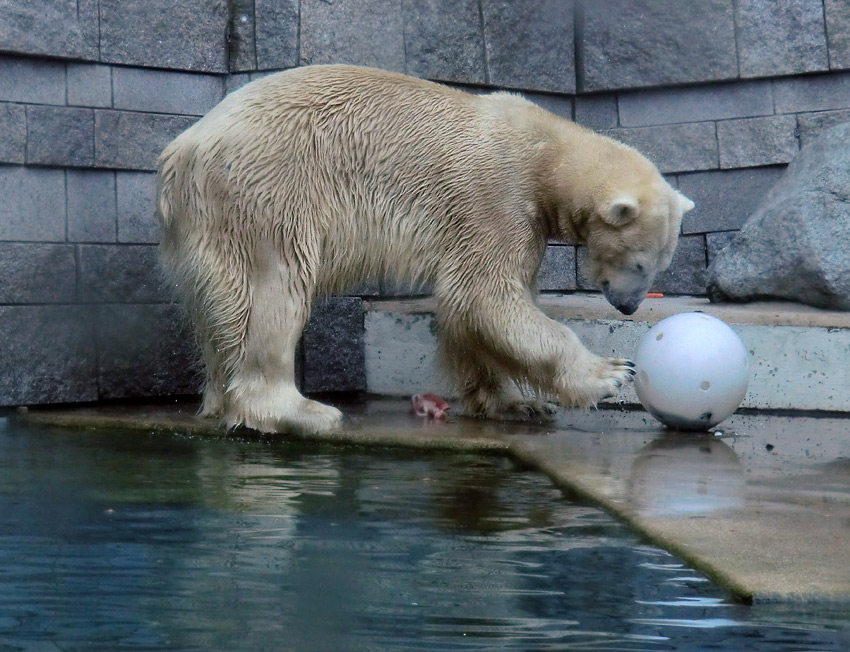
304,182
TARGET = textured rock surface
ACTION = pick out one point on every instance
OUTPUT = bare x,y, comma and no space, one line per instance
443,40
363,32
333,346
132,141
187,35
60,136
64,29
794,246
277,33
638,43
711,190
144,350
558,269
36,272
48,356
780,38
13,125
838,30
120,274
530,44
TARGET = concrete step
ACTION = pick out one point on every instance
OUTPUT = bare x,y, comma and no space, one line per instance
799,355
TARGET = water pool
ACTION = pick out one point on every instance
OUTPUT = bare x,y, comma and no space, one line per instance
114,540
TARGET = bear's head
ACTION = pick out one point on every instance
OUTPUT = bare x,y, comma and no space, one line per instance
628,216
632,239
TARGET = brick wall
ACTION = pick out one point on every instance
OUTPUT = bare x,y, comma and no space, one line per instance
720,94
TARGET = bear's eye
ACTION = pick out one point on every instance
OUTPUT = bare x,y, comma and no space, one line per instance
639,267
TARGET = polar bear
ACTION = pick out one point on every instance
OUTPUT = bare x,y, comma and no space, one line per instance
303,182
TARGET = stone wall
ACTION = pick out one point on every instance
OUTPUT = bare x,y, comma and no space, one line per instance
720,94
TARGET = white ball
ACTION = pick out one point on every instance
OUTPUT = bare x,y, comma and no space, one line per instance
692,371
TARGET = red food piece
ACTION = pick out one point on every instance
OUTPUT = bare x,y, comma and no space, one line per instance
430,406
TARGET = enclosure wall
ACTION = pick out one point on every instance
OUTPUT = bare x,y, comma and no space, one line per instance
720,94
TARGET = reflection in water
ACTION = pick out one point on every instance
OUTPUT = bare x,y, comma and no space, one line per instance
114,541
682,473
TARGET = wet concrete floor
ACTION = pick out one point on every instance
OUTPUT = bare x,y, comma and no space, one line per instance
761,505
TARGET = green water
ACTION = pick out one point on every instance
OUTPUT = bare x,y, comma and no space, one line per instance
120,541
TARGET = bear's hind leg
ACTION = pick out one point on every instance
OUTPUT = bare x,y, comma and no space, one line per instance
214,383
261,393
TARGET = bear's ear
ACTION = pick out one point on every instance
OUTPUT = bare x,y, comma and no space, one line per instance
685,204
622,210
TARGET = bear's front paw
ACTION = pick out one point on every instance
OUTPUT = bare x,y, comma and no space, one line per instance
530,410
617,372
587,384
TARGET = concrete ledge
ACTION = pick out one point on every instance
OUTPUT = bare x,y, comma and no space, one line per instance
763,509
795,349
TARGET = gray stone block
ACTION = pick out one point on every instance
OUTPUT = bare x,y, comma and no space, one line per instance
812,125
31,80
186,35
60,136
757,141
62,29
91,205
241,36
837,15
89,84
133,141
560,105
145,350
160,91
361,32
687,272
235,82
33,205
696,104
530,45
639,43
334,359
785,37
725,199
276,33
120,274
48,355
443,40
259,74
136,192
598,112
558,269
674,148
717,242
813,93
13,127
37,273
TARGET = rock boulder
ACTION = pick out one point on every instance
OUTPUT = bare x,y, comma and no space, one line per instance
796,245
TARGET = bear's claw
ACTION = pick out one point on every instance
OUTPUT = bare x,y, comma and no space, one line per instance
607,377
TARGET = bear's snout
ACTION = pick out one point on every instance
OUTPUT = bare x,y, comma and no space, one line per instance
627,308
625,303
